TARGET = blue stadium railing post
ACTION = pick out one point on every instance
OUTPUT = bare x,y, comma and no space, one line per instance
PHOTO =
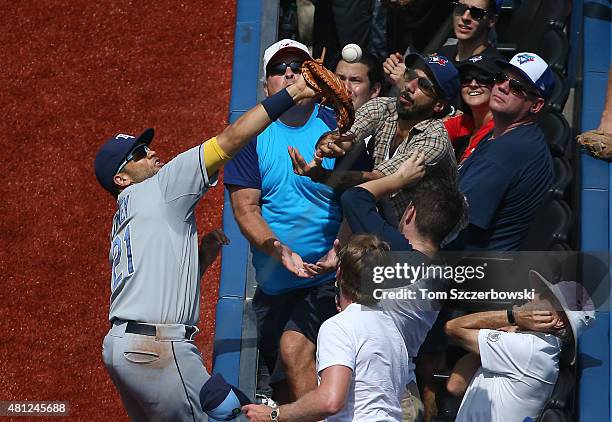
234,258
594,387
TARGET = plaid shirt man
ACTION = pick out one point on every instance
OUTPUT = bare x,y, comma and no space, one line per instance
378,118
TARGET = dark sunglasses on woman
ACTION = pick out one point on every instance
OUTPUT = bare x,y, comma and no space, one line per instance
482,79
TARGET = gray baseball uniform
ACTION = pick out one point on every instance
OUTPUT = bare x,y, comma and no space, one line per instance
155,294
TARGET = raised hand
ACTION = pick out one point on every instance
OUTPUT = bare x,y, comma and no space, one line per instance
334,145
301,167
395,68
300,90
413,169
211,245
290,260
257,412
326,263
530,317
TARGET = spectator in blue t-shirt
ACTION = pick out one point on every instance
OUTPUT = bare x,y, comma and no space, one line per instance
290,221
506,178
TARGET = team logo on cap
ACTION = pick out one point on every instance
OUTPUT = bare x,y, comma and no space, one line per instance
475,59
124,136
438,60
524,58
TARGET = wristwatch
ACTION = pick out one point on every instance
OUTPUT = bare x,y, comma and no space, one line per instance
274,415
510,316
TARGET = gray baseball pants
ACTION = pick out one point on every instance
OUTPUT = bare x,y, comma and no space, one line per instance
158,377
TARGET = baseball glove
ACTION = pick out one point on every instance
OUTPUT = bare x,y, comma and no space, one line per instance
333,92
597,143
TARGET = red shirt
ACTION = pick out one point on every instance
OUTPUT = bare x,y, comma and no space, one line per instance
463,125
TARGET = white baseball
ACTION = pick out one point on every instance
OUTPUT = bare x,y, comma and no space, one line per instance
351,53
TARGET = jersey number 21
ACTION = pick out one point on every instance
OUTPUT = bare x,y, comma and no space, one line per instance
119,245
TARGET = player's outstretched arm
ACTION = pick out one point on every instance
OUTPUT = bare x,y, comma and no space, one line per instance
254,121
220,149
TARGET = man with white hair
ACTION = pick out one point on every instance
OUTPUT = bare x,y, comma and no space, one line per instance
516,370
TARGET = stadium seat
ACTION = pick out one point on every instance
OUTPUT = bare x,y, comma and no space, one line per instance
557,133
552,46
555,415
551,225
528,23
563,177
558,97
440,37
556,408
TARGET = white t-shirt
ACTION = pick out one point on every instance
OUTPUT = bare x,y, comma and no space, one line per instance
413,317
366,341
517,376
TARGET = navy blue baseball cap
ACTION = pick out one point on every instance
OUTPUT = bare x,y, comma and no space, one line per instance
484,63
446,76
112,154
222,401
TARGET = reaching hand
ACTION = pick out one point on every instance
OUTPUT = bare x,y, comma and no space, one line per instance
334,145
301,168
290,260
395,68
326,263
257,412
301,90
413,169
530,317
211,245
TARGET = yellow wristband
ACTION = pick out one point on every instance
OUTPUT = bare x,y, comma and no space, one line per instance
214,156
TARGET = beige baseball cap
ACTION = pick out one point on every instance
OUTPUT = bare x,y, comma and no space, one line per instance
285,45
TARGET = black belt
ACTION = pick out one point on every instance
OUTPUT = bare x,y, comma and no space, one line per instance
134,327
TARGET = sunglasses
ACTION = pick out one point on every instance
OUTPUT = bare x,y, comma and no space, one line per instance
516,87
475,12
281,68
424,84
139,152
481,79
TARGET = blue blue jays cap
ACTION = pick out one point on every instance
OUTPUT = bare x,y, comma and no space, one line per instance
442,69
112,154
220,400
534,69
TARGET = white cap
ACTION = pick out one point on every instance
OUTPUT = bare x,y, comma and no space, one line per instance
285,45
575,303
535,69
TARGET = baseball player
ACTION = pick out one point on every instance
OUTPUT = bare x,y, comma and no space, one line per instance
156,266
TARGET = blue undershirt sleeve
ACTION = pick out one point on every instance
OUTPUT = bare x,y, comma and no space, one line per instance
243,169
